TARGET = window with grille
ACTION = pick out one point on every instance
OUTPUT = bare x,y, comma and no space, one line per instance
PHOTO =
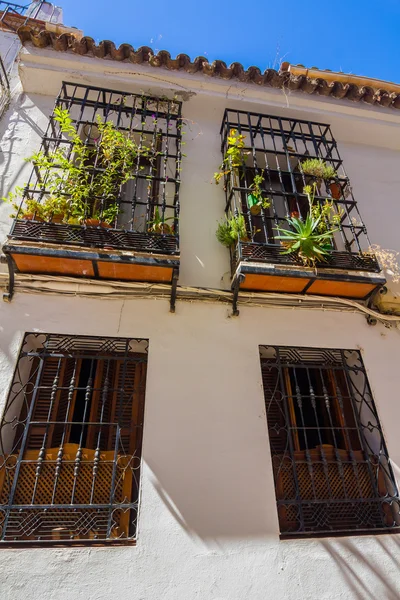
71,437
143,212
331,467
275,149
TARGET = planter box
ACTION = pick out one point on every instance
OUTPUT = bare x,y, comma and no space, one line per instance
261,277
105,263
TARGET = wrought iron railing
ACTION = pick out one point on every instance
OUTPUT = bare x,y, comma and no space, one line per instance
11,7
70,440
275,148
145,209
30,10
330,462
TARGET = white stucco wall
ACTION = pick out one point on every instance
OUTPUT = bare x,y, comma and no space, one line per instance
208,525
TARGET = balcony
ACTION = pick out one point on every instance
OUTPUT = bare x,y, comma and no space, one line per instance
103,198
277,172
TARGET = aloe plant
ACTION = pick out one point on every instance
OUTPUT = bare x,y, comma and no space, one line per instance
309,238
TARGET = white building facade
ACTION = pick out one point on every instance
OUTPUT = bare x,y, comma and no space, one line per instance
181,420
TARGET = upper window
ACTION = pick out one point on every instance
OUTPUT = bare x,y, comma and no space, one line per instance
274,169
71,438
107,173
330,462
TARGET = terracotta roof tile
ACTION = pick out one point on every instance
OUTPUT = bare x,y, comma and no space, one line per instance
297,78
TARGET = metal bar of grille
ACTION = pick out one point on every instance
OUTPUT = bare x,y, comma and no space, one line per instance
70,440
280,145
330,462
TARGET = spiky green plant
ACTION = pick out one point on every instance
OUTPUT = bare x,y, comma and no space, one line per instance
306,237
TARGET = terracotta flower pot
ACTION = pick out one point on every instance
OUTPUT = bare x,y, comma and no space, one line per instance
92,222
31,217
57,218
162,228
97,223
336,190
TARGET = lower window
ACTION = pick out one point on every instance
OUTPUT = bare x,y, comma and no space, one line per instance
331,467
71,438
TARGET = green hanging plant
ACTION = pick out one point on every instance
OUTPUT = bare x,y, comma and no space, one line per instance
230,230
235,156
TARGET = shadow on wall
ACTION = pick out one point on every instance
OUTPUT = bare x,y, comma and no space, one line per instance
362,574
16,126
363,568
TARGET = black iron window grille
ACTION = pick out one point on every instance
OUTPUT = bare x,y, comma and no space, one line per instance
331,466
274,150
70,440
140,214
18,9
30,11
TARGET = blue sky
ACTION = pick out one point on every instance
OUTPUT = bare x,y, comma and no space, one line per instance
353,36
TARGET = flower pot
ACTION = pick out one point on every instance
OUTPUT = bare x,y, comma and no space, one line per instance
31,217
162,228
336,190
311,180
57,218
97,223
254,205
92,222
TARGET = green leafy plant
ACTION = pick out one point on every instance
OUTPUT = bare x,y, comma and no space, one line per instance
310,238
235,155
316,167
231,229
32,208
74,188
255,200
56,208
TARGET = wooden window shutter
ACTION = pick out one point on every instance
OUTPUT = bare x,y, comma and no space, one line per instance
50,401
100,411
278,434
128,404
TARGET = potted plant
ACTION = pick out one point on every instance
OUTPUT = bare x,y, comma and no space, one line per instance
231,229
158,224
320,171
56,209
31,210
255,200
73,185
310,238
316,167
